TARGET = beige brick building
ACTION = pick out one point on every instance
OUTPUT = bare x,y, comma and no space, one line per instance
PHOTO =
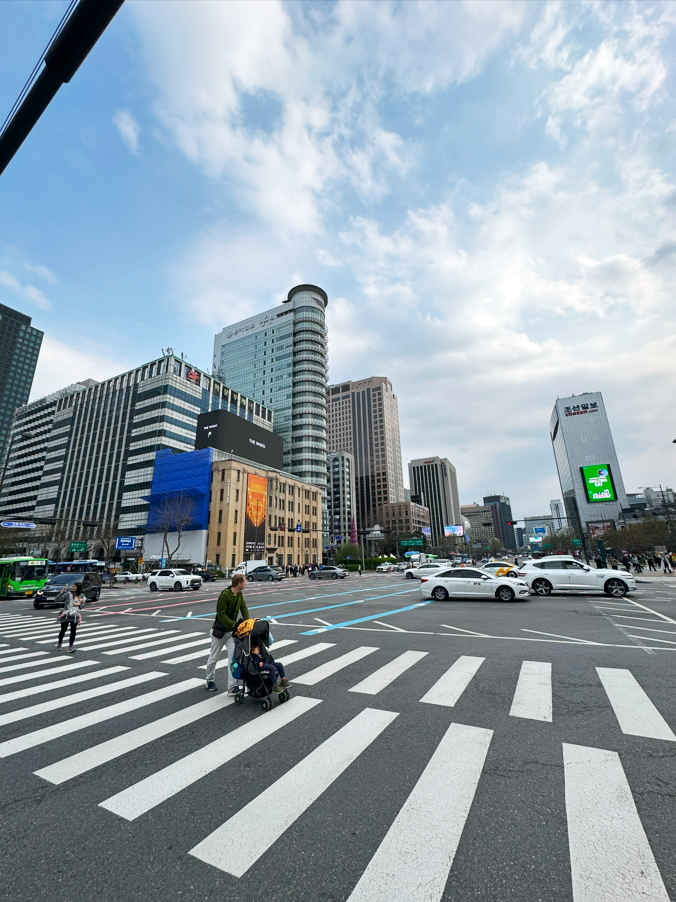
278,505
403,518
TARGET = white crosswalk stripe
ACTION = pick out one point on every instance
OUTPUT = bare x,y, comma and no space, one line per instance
533,695
443,796
636,714
303,653
162,785
47,734
610,857
224,662
18,631
168,651
453,683
49,660
123,633
114,643
291,795
89,632
382,678
122,651
21,654
63,665
312,677
192,656
59,684
12,651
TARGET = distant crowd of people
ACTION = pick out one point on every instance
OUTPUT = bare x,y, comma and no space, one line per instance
300,570
639,562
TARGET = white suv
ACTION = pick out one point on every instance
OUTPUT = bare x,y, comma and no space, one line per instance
562,573
173,579
424,570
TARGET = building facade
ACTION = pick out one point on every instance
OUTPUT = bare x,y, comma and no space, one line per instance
340,476
483,519
19,348
435,481
402,518
94,451
279,358
363,419
536,530
587,464
504,531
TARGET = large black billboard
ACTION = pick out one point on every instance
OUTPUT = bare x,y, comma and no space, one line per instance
228,432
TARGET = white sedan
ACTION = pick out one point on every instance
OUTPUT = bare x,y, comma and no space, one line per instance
177,580
423,570
562,573
465,582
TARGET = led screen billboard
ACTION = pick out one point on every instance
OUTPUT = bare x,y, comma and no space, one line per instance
254,521
427,532
228,432
598,483
453,531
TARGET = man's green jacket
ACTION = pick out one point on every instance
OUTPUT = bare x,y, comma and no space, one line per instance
229,606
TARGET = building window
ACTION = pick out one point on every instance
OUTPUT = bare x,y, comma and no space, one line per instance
307,493
238,476
236,512
218,560
289,541
233,561
222,475
307,508
221,495
220,516
307,543
269,539
218,538
307,524
236,494
314,526
314,509
234,539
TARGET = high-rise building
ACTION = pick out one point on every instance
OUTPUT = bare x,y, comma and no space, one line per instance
340,495
92,450
363,419
504,530
435,481
483,521
279,358
589,471
558,513
19,348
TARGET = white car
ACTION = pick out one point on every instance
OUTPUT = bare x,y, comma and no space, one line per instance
174,579
562,573
423,570
129,577
501,568
466,582
384,568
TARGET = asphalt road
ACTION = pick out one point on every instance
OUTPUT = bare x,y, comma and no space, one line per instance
464,750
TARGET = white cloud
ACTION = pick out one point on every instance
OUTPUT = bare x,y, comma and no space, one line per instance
128,128
24,290
61,364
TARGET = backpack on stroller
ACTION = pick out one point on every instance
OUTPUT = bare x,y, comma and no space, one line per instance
257,685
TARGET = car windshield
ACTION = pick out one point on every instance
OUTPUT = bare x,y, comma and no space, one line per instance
181,573
64,579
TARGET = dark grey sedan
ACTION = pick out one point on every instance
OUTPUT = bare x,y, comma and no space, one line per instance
268,574
328,573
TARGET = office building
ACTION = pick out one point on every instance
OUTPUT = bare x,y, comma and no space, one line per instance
403,518
434,480
536,530
504,520
483,521
340,475
587,464
94,444
19,348
279,358
558,513
363,419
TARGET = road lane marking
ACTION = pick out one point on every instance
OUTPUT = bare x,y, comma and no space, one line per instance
169,651
154,641
382,678
306,652
312,677
138,636
20,654
337,626
413,862
90,632
448,689
96,755
635,712
12,651
163,784
610,857
59,684
116,634
290,796
533,695
40,674
38,737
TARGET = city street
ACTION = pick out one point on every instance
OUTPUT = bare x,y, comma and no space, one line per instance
430,750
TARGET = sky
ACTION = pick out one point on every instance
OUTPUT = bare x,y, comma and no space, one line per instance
486,191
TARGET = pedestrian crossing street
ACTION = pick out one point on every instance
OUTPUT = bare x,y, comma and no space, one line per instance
610,853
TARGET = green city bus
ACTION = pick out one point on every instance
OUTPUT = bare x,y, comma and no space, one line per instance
22,575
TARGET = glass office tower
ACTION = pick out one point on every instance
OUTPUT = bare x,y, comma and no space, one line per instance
589,471
279,358
19,348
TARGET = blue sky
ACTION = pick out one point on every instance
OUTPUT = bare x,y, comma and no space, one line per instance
485,190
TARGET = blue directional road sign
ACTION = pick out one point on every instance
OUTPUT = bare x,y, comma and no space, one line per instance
125,543
17,524
299,528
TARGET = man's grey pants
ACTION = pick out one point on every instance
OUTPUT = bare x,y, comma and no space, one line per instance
215,653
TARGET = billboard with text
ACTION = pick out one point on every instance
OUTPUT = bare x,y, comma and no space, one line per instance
254,520
454,531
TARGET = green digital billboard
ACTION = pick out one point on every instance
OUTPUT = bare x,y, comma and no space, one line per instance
598,483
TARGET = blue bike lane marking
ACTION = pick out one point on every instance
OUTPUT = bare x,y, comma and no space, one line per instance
337,626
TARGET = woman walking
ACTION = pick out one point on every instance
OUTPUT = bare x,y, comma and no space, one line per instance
70,615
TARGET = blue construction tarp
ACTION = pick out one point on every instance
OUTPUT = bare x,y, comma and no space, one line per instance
180,477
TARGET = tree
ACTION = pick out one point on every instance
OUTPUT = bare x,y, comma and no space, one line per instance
348,549
495,546
172,516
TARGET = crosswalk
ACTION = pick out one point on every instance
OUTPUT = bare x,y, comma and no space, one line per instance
75,716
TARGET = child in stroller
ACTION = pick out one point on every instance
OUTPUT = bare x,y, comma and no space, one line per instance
262,675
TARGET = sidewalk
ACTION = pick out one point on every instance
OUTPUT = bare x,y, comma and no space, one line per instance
650,576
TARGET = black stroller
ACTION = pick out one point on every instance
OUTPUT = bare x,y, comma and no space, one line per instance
258,686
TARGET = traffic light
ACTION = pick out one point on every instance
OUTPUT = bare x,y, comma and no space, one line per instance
512,522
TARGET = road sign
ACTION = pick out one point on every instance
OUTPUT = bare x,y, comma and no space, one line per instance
77,546
18,524
577,543
125,543
546,545
409,542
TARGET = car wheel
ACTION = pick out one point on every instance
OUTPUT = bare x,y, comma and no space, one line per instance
542,587
250,579
513,574
271,579
616,588
36,604
439,593
98,594
409,576
335,576
178,587
312,576
504,593
152,587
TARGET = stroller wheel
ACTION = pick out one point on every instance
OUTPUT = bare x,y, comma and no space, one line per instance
283,696
265,704
239,698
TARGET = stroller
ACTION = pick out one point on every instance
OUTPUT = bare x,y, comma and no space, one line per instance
258,686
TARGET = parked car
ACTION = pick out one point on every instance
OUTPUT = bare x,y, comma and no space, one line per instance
562,573
177,580
423,570
128,577
466,582
268,574
54,590
328,573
